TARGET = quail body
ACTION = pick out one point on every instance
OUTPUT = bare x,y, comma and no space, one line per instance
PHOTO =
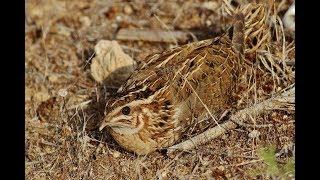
173,90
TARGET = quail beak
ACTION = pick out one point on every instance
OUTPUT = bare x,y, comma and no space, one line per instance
111,124
114,122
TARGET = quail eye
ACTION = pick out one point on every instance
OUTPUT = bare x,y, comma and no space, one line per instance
125,110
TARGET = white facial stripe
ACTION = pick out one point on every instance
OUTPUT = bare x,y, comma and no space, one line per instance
132,104
134,118
128,129
120,117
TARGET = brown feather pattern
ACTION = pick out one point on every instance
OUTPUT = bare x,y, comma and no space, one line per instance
169,92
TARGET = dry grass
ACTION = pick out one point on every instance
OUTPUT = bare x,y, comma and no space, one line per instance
62,140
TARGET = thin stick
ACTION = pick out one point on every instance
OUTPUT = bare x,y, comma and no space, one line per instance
153,35
166,27
286,98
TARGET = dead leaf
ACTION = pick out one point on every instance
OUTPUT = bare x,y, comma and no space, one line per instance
48,110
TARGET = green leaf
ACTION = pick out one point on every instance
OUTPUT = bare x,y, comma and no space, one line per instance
267,154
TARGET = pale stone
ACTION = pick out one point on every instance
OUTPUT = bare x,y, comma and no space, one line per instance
111,65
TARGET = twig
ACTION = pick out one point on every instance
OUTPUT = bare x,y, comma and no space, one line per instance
253,125
284,99
246,163
203,137
167,28
152,35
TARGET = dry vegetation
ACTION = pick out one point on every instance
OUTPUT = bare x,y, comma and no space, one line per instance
63,103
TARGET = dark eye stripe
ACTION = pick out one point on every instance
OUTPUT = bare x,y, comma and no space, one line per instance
125,110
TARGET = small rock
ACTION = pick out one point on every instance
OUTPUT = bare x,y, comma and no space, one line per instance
115,154
127,9
85,21
111,65
254,134
63,93
208,23
114,25
119,18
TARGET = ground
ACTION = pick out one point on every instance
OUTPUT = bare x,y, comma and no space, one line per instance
62,141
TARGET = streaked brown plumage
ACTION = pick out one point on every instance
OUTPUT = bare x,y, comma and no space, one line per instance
173,90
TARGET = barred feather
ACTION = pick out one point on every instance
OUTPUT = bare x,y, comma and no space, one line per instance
167,94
